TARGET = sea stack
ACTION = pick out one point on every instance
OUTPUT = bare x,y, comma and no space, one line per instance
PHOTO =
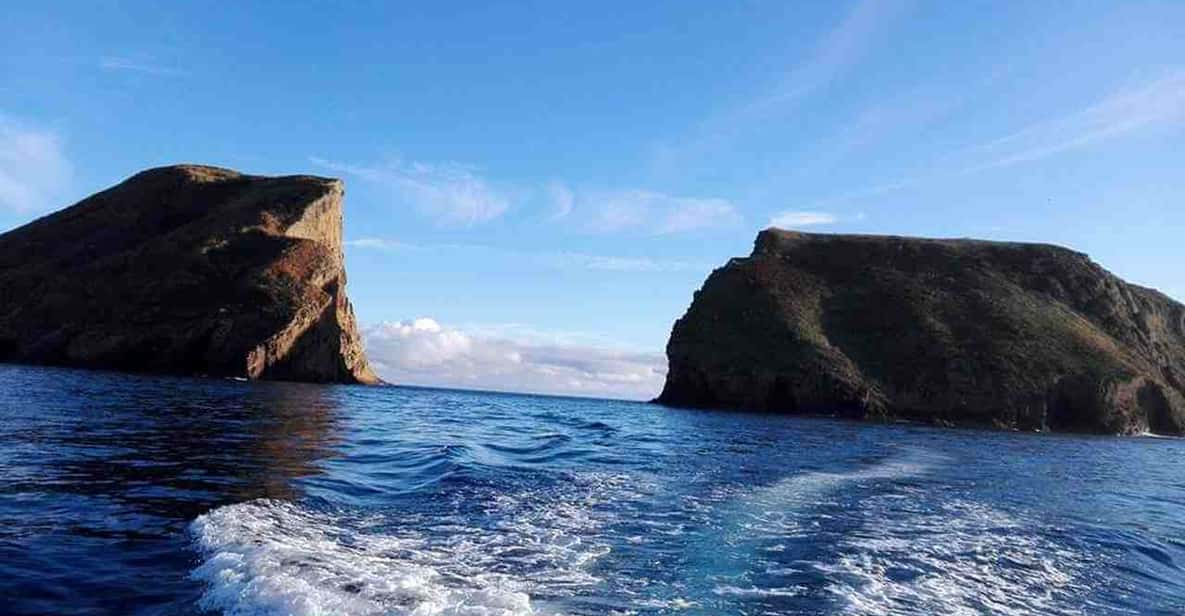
953,332
187,269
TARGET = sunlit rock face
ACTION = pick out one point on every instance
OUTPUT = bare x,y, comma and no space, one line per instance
187,269
964,332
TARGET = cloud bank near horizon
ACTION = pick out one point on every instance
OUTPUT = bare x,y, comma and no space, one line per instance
424,352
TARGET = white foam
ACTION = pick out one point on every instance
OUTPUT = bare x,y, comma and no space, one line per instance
677,603
915,554
753,591
511,554
272,557
776,510
965,559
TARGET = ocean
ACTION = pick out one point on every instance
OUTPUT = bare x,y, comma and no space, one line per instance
124,494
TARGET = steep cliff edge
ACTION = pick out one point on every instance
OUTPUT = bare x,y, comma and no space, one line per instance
187,270
964,332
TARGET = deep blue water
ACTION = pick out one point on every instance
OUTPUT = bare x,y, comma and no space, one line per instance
139,495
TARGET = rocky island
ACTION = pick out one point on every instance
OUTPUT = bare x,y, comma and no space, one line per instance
187,270
952,332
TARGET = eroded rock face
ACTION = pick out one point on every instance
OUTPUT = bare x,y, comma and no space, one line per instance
189,270
949,331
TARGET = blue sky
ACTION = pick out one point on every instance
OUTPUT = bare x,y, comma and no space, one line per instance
544,185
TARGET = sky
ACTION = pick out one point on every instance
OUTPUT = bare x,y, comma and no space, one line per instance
536,189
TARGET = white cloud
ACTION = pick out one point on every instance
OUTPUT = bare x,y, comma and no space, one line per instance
450,194
423,352
119,63
417,344
35,174
792,219
655,212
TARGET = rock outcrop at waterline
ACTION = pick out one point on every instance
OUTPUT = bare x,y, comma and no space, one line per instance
187,270
965,332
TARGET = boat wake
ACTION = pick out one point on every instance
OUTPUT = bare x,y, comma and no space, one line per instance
961,558
881,544
872,539
272,557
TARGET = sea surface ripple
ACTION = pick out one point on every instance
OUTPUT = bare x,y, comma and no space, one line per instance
148,495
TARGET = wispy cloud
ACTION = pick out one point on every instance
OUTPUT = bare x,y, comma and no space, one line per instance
450,194
796,219
455,195
1156,104
908,114
620,264
378,243
424,352
652,212
549,259
562,198
119,63
35,173
687,214
834,53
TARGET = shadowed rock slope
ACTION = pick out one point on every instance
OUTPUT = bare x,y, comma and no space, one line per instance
188,270
964,332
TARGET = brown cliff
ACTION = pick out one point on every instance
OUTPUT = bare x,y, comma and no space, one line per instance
187,270
964,332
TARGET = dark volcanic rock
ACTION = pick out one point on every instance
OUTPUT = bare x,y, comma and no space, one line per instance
949,331
189,270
